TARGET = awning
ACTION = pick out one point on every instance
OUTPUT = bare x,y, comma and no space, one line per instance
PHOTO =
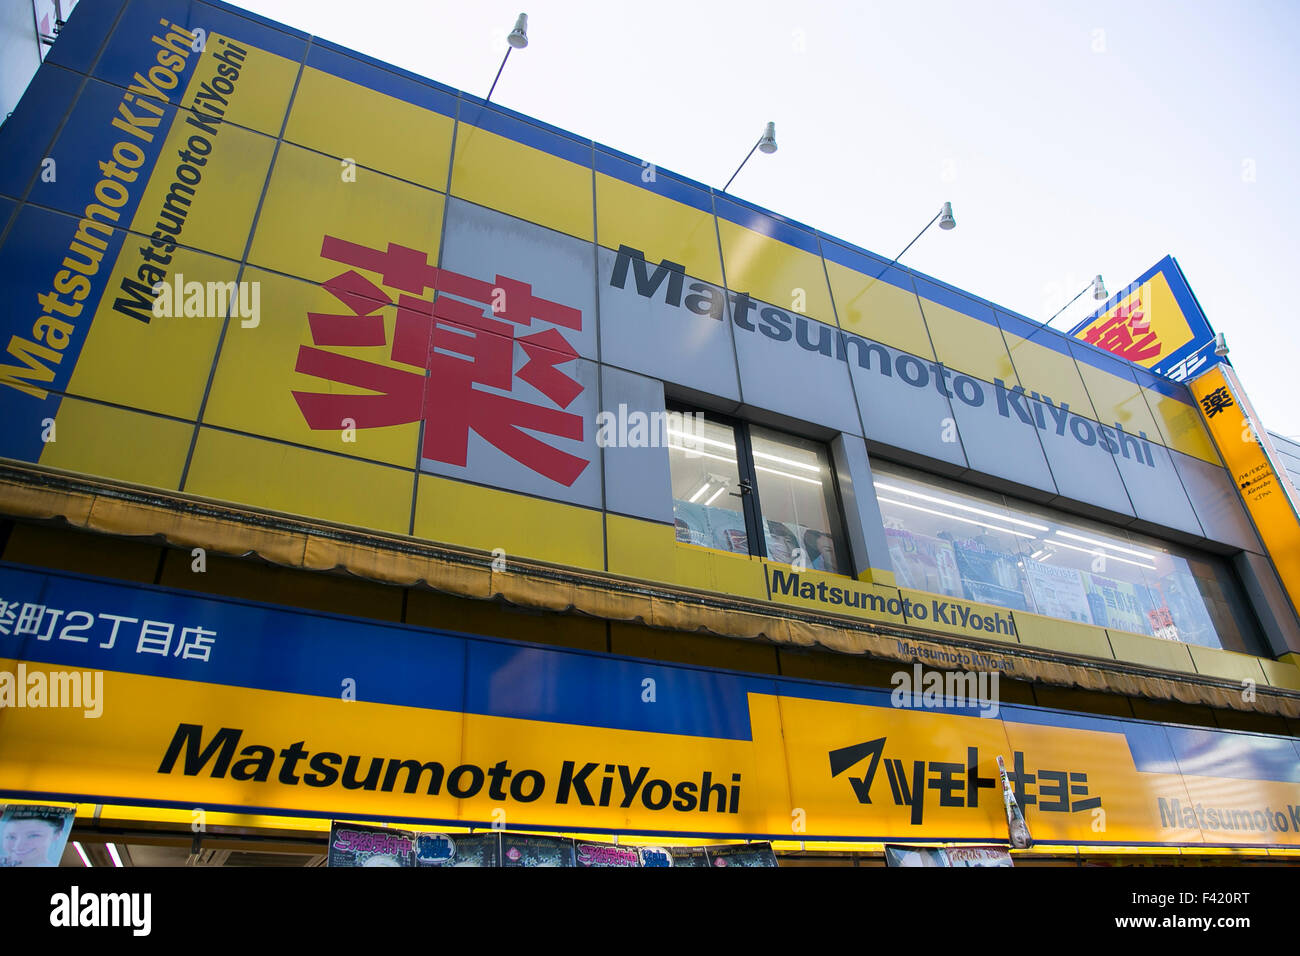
184,521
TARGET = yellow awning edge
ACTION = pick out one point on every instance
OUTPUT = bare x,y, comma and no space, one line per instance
184,521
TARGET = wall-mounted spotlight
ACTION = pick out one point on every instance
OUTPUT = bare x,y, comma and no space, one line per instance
518,39
946,221
943,217
766,144
1098,289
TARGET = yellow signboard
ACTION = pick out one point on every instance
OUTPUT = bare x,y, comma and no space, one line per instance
1155,322
1264,488
810,769
120,694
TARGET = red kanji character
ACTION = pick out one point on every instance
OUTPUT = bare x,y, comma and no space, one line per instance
401,267
398,401
454,408
545,350
521,306
459,345
360,328
1138,320
1116,336
410,271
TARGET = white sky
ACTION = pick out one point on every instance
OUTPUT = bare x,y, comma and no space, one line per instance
1072,138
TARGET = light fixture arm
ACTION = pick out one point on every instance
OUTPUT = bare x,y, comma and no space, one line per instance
1070,303
742,163
509,49
910,244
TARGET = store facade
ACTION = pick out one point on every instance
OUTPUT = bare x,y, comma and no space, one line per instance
395,458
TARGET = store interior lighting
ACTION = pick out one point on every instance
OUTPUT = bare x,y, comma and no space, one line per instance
786,474
1105,544
1102,554
955,504
945,514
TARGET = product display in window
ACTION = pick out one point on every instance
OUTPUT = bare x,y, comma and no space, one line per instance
981,546
789,483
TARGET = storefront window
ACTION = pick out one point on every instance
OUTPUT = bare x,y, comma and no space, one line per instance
797,496
731,479
977,545
707,501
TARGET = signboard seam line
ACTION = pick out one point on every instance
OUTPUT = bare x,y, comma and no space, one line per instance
243,266
85,80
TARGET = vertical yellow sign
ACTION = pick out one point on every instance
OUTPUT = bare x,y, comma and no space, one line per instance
1265,488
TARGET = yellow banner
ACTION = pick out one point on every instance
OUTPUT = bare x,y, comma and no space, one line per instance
807,768
1264,488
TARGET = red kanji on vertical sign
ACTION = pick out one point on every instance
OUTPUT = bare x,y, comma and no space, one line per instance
443,348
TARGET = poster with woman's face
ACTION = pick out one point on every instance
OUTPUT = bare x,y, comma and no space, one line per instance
34,835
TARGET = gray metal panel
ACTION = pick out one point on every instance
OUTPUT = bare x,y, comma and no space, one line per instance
1288,456
638,481
1216,502
483,244
1155,489
1082,467
779,372
865,526
648,334
488,465
914,418
997,438
1285,445
1269,601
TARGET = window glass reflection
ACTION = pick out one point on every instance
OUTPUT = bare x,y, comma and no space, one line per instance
953,543
797,495
707,508
979,546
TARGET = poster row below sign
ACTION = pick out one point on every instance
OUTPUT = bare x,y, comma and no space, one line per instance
903,855
34,835
359,845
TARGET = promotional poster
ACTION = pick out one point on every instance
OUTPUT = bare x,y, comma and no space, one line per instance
522,850
356,845
469,849
946,856
34,835
742,855
606,854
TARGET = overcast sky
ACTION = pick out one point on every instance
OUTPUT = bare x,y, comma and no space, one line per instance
1072,138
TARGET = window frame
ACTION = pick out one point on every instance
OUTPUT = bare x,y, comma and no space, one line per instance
751,506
